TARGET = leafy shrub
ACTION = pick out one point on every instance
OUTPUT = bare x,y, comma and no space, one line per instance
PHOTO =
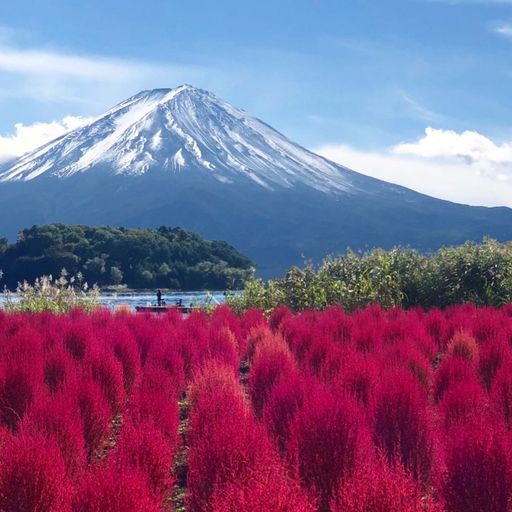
32,476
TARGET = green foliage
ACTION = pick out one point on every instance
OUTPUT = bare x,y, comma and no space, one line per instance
46,294
477,273
140,258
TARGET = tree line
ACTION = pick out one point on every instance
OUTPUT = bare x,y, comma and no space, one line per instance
138,258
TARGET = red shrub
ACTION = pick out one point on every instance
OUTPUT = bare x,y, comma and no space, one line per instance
251,319
19,388
107,372
479,471
59,419
272,361
58,369
359,378
95,414
107,489
378,488
127,353
464,403
143,447
451,371
277,316
158,408
330,440
224,439
463,345
32,476
281,408
501,394
493,355
401,425
265,489
79,339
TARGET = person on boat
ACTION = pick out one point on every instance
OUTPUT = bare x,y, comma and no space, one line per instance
159,298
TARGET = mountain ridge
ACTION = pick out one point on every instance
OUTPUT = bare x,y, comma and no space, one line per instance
183,157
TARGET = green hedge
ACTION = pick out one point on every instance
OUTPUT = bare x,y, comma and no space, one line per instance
477,273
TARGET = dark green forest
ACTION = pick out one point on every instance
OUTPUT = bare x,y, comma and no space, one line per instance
138,258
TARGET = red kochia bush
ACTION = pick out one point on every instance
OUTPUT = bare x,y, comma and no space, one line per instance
32,476
58,419
158,408
272,361
463,345
143,447
19,388
378,488
501,394
401,425
79,339
479,476
225,441
451,371
265,489
331,440
464,403
107,372
281,409
277,316
95,414
493,355
107,489
58,369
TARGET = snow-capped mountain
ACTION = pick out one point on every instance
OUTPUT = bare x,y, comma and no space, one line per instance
173,130
183,157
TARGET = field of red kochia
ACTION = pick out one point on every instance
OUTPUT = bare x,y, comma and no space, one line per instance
376,411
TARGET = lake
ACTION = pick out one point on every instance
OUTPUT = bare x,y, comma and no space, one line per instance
112,300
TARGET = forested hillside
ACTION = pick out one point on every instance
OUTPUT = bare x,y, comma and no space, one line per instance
140,258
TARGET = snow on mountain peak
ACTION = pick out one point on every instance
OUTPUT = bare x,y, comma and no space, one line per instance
175,130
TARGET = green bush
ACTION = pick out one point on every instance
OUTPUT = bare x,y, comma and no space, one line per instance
477,273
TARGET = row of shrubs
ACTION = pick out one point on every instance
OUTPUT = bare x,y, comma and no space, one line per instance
375,411
475,273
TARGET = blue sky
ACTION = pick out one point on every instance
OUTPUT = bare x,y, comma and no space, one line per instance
358,80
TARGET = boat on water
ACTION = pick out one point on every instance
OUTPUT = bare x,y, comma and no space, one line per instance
163,307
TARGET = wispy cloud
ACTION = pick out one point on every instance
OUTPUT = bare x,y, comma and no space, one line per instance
28,137
465,167
27,70
504,30
418,110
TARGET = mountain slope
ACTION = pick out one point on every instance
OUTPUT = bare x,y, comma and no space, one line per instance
185,158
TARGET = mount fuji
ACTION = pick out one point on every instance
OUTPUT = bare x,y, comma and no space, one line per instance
183,157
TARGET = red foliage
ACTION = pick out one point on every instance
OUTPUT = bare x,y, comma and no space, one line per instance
32,476
107,488
272,361
58,419
479,470
401,425
378,488
373,411
143,447
330,441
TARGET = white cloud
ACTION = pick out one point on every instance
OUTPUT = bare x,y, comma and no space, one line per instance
96,68
462,167
504,30
29,137
51,75
479,152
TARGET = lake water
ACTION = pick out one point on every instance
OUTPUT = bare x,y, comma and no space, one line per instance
112,300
